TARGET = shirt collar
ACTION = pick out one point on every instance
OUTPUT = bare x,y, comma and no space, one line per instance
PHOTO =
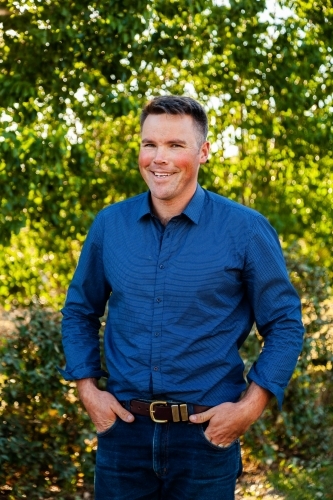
192,210
144,208
194,207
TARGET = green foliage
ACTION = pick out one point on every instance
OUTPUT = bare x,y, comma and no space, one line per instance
307,414
46,440
72,78
296,481
39,263
73,75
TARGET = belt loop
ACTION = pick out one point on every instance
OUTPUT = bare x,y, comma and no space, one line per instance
175,413
190,409
183,412
126,404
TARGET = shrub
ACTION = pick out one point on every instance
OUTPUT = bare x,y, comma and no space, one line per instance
303,428
46,439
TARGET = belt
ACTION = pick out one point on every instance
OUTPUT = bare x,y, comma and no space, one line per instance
162,411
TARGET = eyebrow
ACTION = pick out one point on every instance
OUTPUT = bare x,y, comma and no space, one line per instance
172,141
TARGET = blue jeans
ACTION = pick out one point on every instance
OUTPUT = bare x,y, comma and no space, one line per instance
171,461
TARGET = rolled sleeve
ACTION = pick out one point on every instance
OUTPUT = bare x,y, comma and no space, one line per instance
277,310
85,304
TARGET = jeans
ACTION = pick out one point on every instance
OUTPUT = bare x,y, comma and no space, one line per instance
169,461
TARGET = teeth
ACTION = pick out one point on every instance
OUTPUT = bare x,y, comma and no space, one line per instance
161,175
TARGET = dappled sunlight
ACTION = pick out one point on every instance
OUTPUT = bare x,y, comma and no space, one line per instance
73,77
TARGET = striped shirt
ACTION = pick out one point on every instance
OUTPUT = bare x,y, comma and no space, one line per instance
181,301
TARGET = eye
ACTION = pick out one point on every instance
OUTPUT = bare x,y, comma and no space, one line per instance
148,145
176,145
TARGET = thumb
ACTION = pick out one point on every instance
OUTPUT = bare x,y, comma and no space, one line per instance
121,412
199,418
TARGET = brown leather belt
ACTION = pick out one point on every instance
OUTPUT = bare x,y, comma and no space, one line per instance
162,411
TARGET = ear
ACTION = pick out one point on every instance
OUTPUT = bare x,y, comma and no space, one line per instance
204,152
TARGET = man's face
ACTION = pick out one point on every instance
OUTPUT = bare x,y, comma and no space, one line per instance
170,157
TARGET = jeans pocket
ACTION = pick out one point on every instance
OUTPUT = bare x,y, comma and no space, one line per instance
109,429
216,446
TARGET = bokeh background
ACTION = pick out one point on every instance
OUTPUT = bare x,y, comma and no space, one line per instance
73,77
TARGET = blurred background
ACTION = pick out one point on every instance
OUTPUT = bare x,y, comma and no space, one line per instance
73,77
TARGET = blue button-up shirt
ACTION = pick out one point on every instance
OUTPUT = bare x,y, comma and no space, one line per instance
181,301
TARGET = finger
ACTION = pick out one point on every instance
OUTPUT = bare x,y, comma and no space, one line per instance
121,412
103,424
199,418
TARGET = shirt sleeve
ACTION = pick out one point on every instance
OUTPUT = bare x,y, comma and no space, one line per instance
277,310
85,304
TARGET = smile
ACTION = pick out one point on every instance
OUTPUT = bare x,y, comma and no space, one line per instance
161,175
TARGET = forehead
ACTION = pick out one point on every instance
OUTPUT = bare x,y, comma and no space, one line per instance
171,128
167,123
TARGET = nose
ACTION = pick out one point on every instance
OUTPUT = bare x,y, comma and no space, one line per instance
160,156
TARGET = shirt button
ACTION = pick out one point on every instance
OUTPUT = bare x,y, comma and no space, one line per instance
156,334
155,368
161,266
158,299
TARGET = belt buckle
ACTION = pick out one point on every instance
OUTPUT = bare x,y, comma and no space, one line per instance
152,411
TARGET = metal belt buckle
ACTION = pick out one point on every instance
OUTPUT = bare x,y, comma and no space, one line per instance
152,411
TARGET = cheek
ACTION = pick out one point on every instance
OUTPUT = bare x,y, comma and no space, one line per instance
179,155
145,158
184,163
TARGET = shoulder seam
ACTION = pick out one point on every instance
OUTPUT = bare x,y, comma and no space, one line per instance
235,205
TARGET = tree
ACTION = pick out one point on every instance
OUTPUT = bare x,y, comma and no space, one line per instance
73,75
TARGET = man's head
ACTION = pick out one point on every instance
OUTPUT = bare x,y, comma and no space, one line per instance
173,146
178,105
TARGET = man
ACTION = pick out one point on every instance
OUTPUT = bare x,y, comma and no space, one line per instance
185,273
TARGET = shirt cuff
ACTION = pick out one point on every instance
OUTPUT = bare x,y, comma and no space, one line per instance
275,389
82,373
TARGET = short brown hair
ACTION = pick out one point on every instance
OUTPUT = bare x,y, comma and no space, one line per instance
177,105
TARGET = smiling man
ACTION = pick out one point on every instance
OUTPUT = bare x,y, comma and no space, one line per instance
170,156
185,273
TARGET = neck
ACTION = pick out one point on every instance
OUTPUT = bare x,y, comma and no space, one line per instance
164,213
165,210
164,220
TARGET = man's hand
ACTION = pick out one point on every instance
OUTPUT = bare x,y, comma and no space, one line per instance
228,421
101,406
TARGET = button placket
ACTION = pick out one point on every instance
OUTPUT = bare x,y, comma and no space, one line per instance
157,325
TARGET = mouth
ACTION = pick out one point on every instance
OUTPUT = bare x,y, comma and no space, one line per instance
161,175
